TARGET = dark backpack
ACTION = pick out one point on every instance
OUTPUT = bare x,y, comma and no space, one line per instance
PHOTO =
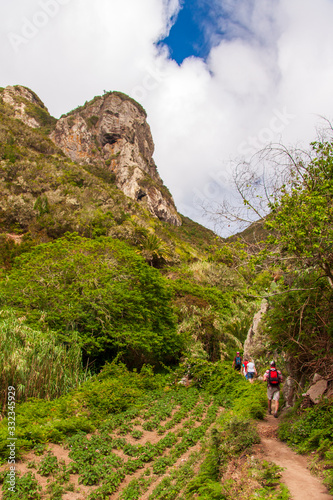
273,376
238,360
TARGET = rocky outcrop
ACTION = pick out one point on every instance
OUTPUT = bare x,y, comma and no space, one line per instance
19,98
253,344
289,392
320,387
111,131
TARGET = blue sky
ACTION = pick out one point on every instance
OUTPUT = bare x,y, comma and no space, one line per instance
203,24
194,32
226,78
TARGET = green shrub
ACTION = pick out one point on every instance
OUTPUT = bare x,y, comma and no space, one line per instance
311,430
99,293
35,364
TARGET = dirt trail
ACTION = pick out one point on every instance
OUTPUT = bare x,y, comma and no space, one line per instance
296,476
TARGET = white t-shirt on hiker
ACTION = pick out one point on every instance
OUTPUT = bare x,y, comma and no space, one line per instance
250,367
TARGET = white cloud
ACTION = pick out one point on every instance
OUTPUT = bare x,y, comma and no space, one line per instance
268,80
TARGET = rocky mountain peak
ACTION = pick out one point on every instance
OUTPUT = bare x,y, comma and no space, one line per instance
111,131
19,98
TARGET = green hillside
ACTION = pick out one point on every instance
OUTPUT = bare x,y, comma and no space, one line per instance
115,324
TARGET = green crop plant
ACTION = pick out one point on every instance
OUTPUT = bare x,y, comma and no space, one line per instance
133,491
39,449
92,474
26,488
55,490
132,465
136,434
48,465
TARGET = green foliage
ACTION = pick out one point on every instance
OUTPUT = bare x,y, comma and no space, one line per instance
232,389
48,465
55,490
42,205
212,309
311,430
153,249
102,173
136,434
9,249
34,363
232,437
113,391
302,218
26,488
299,322
46,121
92,121
39,449
268,476
235,435
301,227
99,292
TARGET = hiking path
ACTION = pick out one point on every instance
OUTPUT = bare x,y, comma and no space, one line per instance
302,484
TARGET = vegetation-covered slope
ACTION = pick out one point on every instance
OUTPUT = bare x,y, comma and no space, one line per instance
89,277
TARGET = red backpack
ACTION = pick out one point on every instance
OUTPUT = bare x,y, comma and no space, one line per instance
273,376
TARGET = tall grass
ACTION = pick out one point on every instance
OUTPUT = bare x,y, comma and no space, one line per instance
35,363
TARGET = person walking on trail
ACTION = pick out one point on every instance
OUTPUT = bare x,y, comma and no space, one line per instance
251,370
274,379
237,362
245,363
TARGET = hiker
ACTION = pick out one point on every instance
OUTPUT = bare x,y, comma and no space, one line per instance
237,362
274,378
251,370
245,363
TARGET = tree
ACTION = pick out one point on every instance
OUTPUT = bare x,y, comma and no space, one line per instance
154,250
99,291
291,193
301,217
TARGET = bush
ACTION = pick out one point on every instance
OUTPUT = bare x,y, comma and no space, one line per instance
35,364
311,430
99,293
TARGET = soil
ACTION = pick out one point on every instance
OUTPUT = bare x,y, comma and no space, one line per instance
296,475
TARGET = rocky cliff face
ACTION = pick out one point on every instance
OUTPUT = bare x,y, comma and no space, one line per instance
19,98
111,131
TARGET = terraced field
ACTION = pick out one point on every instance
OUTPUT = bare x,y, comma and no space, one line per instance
149,452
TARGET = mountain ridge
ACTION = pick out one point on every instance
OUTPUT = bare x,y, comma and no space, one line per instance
110,132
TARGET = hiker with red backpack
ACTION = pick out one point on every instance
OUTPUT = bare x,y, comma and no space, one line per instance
274,379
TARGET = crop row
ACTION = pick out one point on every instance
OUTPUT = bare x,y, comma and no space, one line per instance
97,461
